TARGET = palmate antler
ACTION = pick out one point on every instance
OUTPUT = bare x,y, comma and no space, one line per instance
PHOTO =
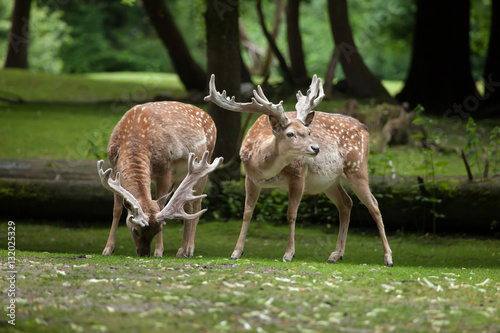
175,207
314,95
259,104
184,193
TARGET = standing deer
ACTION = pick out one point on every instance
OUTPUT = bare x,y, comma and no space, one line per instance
290,151
159,141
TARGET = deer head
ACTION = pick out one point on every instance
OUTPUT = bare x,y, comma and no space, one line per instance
144,225
292,134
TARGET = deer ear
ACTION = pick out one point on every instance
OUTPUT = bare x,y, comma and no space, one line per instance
275,124
161,202
309,118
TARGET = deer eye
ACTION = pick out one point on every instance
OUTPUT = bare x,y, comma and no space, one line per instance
127,205
290,134
135,231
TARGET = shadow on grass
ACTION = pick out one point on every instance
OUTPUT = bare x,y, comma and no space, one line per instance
265,241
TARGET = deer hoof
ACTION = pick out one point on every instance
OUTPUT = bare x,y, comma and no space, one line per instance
388,260
288,257
236,255
181,253
108,251
158,254
334,257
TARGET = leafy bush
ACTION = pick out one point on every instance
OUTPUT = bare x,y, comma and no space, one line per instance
229,203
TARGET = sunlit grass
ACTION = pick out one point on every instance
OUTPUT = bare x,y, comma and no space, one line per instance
86,88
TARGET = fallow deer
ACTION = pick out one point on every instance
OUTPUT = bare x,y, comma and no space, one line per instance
291,151
158,141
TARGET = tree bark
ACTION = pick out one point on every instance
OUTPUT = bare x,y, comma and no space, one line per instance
298,65
490,106
440,72
360,81
191,74
17,50
224,60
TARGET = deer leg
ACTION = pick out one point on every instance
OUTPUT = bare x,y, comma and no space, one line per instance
343,202
183,252
117,213
194,207
162,186
295,192
360,186
252,194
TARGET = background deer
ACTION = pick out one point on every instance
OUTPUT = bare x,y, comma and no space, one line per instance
154,141
291,151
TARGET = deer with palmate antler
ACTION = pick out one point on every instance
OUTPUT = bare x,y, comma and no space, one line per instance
291,151
159,141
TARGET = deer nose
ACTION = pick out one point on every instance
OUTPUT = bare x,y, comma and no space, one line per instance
315,149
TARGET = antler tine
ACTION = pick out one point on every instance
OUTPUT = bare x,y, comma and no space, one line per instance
184,193
259,104
103,175
314,96
115,187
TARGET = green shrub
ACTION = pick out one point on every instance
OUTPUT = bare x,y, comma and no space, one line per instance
229,203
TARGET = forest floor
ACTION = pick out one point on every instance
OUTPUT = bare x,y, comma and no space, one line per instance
64,284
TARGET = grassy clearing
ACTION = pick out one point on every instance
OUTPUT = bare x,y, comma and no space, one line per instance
438,284
93,87
46,131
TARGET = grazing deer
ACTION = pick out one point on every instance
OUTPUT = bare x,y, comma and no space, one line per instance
159,141
290,151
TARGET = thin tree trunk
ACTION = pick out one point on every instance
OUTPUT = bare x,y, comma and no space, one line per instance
298,65
223,60
330,71
191,74
17,49
360,80
274,34
287,74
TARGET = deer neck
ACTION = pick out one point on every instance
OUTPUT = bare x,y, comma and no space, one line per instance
135,175
272,160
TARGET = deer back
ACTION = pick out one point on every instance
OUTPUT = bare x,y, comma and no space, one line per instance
156,137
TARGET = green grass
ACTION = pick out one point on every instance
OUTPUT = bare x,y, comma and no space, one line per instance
438,283
33,86
64,131
46,131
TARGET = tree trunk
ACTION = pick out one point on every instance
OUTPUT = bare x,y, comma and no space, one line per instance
223,60
490,107
190,73
17,50
298,67
440,72
287,74
266,67
360,81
